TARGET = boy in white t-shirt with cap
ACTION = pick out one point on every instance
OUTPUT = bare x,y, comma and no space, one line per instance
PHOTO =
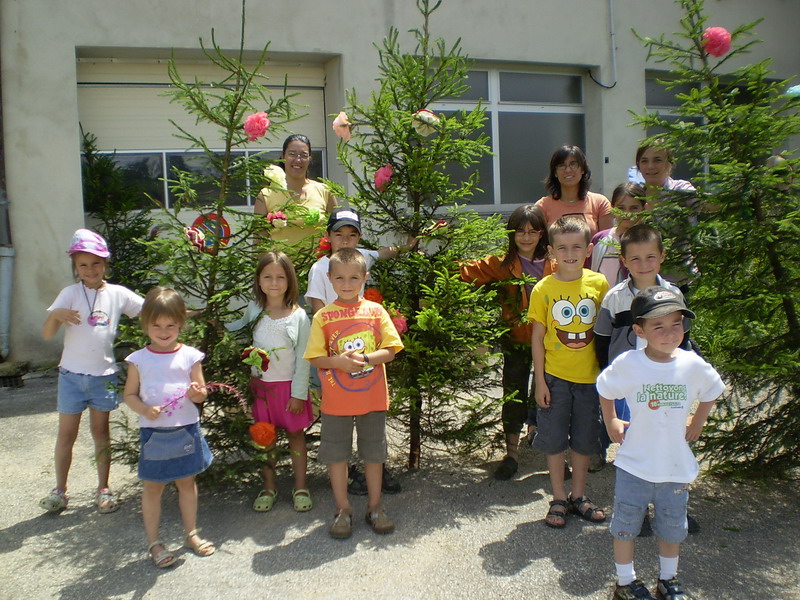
655,464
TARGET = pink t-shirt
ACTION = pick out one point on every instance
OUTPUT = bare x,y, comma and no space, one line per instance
590,209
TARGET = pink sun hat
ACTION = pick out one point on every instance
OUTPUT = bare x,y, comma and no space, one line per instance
84,240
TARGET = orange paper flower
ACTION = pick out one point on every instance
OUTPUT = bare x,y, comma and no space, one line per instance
263,434
373,294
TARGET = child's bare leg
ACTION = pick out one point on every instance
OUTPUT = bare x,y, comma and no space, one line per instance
555,464
68,426
374,475
668,550
623,551
187,502
297,445
151,510
98,424
580,472
268,472
338,474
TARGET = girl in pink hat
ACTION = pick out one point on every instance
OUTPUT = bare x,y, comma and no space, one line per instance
90,311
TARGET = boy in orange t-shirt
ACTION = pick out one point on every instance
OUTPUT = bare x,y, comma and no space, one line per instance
350,341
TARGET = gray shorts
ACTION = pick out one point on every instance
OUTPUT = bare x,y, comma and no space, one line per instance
632,495
336,438
572,421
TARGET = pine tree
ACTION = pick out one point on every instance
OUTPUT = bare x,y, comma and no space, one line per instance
401,157
746,245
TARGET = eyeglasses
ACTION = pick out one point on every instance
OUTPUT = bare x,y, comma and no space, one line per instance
574,166
528,232
303,155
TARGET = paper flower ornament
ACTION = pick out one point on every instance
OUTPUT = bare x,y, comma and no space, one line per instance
425,122
716,41
256,125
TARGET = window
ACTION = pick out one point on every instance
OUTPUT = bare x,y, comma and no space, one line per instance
149,170
528,115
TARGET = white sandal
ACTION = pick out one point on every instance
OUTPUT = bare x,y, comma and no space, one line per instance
55,501
107,501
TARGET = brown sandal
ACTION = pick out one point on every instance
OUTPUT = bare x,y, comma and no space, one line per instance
552,513
586,509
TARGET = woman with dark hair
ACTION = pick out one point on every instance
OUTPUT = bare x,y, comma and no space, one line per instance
568,184
527,249
302,199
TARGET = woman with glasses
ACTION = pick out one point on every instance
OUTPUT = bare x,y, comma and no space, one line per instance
568,185
302,200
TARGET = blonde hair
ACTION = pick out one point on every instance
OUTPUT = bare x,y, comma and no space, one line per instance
348,256
290,298
162,302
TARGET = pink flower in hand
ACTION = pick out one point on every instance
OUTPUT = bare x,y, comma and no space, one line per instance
382,177
716,41
256,125
341,126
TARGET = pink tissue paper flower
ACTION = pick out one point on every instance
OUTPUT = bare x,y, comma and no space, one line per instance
341,126
716,41
382,177
400,323
256,125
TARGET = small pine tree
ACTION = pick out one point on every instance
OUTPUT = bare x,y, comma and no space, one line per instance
746,245
443,385
215,274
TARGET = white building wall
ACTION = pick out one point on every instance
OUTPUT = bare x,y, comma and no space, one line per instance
38,41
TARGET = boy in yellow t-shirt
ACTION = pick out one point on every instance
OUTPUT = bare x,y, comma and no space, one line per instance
350,341
563,308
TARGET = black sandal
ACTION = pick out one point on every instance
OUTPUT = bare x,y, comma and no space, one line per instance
589,512
557,513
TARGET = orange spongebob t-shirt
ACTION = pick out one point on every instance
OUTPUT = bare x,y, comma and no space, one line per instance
363,326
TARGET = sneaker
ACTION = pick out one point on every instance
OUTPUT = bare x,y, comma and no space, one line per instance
342,526
390,484
635,590
379,521
670,589
356,482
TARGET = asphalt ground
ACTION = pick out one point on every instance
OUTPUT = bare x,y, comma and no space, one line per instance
460,533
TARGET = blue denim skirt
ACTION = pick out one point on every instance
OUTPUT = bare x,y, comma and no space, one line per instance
171,453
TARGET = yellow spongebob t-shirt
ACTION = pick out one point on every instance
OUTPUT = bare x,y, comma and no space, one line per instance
568,310
363,326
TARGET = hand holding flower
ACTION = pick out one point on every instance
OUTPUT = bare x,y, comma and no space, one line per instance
197,393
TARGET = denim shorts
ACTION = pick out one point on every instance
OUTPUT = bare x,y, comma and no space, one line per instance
336,438
171,453
632,495
571,421
76,392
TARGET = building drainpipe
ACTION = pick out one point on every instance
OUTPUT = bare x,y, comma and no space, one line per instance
6,252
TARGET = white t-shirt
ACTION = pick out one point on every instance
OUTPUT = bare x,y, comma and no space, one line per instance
89,349
660,397
164,377
319,286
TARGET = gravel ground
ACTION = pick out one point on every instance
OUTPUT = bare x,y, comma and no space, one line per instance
460,534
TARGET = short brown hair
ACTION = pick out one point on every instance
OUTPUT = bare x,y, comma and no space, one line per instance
569,224
162,302
348,256
640,234
291,296
634,190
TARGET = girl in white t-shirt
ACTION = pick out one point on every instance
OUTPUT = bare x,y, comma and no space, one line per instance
165,383
90,311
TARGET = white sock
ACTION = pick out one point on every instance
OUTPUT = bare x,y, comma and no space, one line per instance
669,567
625,573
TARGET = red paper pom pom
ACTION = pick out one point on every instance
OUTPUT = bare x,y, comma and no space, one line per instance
263,434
